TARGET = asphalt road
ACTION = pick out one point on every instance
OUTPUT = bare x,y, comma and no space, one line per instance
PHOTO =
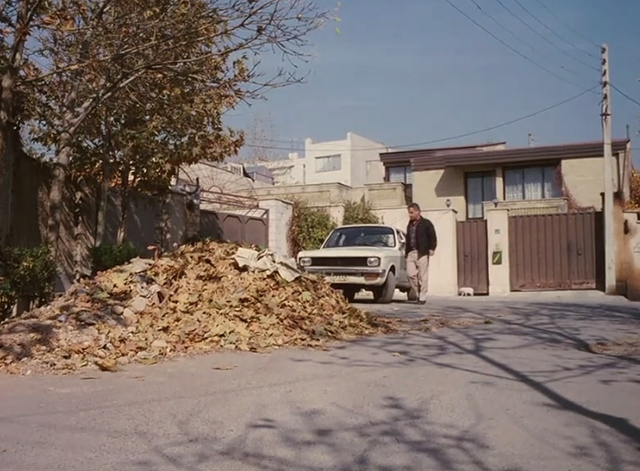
517,393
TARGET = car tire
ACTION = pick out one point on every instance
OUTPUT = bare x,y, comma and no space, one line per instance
412,295
349,294
385,293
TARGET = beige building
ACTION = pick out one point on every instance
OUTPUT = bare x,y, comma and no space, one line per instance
522,219
525,180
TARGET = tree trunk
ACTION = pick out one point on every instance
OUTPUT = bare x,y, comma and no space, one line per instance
7,154
56,201
124,205
7,158
56,194
103,202
101,223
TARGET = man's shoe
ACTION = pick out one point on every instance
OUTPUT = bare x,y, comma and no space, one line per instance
422,302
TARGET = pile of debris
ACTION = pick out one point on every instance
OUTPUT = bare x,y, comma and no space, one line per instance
204,297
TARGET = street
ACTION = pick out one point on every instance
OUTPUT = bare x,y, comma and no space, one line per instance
517,391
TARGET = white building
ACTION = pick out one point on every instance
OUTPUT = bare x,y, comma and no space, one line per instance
289,171
353,161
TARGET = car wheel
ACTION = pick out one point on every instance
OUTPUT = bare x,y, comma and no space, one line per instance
349,294
385,293
412,295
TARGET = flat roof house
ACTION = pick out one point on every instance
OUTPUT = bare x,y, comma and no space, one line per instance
514,219
526,180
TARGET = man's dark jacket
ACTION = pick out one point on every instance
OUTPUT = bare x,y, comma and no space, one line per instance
425,237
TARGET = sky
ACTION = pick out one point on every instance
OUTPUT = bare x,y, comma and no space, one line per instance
406,72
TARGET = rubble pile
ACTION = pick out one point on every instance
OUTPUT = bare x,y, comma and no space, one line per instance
205,297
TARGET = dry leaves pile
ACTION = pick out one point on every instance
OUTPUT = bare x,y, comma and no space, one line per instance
628,347
196,300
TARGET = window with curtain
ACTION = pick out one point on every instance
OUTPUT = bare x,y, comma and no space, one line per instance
403,174
531,183
329,163
481,187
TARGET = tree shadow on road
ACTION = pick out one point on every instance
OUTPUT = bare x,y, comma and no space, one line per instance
505,349
404,434
397,436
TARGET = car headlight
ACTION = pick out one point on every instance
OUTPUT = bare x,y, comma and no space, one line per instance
305,262
373,262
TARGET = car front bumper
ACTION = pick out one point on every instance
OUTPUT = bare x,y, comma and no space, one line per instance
361,276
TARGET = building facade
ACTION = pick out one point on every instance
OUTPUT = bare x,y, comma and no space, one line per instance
351,161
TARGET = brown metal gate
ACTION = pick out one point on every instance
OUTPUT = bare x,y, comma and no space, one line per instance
473,268
555,251
235,227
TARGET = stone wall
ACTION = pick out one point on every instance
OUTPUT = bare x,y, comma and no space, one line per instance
151,220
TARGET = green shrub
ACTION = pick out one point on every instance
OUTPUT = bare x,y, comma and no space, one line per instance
105,257
309,227
7,298
359,213
25,273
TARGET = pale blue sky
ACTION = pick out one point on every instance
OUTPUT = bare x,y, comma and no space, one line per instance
409,71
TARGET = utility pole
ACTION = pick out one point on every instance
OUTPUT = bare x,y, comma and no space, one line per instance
609,244
531,140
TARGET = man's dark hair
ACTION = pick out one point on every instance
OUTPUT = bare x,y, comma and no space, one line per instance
414,206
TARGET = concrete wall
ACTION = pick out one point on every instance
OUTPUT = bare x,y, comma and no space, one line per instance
443,266
29,203
498,241
627,250
151,220
280,213
314,194
393,216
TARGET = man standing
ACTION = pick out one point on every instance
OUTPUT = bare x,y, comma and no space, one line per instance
421,245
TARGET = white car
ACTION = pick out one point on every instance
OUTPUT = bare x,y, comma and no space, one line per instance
368,256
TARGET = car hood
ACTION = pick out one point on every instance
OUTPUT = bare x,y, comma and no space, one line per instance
348,252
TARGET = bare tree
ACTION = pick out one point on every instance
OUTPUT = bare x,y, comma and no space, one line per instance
97,50
260,144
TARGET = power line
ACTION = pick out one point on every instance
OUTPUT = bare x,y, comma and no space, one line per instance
510,47
468,134
544,25
624,94
535,31
569,27
518,38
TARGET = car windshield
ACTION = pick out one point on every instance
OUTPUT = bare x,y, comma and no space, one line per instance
362,236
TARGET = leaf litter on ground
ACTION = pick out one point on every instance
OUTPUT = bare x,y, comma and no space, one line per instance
202,298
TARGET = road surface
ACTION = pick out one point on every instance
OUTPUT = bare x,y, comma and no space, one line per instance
519,392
